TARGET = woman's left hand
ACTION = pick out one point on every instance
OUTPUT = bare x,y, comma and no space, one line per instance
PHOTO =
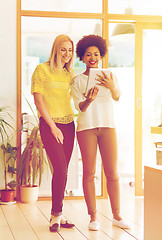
106,81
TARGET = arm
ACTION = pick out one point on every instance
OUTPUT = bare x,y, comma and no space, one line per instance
38,99
92,94
109,84
80,100
115,94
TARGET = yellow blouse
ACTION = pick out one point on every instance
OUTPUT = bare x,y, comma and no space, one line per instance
55,88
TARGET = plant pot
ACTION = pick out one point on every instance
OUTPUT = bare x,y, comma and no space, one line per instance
7,195
29,194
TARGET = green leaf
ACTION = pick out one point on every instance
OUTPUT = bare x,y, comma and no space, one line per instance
32,110
12,169
12,184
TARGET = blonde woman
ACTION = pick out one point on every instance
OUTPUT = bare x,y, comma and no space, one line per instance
50,86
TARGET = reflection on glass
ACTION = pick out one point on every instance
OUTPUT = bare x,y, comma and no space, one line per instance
37,38
92,6
121,61
151,93
136,7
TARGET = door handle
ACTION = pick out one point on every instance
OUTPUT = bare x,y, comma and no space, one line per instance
138,102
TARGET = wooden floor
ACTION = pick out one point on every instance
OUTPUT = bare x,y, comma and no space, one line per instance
22,221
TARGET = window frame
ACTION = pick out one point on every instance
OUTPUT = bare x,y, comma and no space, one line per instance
106,19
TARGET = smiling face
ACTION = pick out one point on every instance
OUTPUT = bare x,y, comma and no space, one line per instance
92,57
66,52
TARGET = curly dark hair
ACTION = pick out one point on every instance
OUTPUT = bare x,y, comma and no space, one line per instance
88,41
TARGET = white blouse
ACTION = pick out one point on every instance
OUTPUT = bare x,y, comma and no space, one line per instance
99,113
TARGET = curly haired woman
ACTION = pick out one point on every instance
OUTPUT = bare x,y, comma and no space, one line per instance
95,127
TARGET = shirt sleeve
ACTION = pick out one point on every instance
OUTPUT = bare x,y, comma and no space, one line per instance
38,80
76,93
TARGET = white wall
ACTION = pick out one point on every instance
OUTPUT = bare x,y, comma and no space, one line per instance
8,59
8,53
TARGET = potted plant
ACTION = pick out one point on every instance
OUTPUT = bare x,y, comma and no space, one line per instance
31,164
9,162
9,156
31,167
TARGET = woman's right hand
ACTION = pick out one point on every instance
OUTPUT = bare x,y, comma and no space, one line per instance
92,94
39,102
57,134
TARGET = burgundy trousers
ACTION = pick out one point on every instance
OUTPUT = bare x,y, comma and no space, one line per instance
59,155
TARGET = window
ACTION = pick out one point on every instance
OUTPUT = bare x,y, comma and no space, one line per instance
37,35
92,6
137,7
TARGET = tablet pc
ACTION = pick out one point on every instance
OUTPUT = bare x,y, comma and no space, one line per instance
92,82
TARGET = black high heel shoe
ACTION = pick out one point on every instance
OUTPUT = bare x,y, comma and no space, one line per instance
67,224
55,227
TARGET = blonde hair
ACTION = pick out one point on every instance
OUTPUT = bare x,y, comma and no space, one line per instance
54,59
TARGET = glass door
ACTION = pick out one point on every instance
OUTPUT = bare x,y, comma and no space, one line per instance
37,35
121,62
148,97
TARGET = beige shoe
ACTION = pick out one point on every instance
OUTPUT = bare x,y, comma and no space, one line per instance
120,223
94,226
